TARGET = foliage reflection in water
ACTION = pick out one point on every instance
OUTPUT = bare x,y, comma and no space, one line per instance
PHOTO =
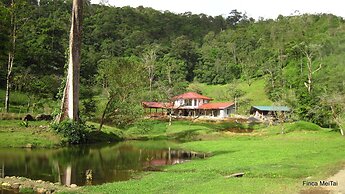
92,164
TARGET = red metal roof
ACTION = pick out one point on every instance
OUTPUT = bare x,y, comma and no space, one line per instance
191,95
156,104
216,105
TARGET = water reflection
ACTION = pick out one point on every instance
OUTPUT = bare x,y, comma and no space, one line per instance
90,165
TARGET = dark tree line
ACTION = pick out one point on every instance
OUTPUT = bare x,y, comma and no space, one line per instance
300,57
42,36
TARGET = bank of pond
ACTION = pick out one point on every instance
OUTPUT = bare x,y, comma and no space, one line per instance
92,164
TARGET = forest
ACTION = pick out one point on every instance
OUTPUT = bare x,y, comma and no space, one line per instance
135,54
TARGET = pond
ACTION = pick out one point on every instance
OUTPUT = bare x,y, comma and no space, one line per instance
91,164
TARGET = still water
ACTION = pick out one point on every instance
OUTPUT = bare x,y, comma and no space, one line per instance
92,164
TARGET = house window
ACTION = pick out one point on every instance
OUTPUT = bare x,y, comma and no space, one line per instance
188,102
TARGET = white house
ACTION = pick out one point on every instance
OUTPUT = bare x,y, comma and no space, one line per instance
192,104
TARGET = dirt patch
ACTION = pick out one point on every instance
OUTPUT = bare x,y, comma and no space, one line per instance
315,191
339,178
335,184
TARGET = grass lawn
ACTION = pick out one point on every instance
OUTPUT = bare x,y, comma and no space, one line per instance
272,163
180,130
38,134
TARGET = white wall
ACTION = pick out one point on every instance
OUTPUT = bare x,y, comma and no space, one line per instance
226,112
221,113
181,103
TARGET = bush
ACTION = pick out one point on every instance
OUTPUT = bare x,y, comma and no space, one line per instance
73,132
89,108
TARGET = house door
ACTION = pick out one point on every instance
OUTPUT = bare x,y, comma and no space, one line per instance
215,113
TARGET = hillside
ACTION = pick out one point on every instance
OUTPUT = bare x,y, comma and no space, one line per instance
136,54
253,94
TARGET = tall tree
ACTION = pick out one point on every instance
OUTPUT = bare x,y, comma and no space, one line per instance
4,39
11,52
149,60
124,82
70,100
309,51
173,75
18,17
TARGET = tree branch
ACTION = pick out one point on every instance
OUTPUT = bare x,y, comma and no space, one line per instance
318,68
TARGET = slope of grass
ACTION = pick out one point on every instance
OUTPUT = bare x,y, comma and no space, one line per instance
272,164
179,130
37,134
253,94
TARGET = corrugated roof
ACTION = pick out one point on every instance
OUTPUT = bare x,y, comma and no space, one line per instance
216,105
191,95
272,108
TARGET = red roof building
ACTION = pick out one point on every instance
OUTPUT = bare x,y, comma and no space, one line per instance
192,104
191,95
216,105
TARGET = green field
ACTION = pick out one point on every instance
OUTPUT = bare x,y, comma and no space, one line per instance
13,133
39,134
253,94
272,163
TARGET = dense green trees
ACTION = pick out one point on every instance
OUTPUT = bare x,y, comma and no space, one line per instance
300,57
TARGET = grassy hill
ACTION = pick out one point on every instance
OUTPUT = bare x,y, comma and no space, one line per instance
21,103
253,94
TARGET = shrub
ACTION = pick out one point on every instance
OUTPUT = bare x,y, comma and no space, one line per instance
89,108
73,132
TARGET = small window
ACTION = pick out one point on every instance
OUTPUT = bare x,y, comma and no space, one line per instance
188,102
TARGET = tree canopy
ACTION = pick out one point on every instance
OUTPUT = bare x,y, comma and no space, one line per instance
299,55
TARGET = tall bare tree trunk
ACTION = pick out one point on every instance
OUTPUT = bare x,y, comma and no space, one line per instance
10,58
70,100
309,83
149,60
8,81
